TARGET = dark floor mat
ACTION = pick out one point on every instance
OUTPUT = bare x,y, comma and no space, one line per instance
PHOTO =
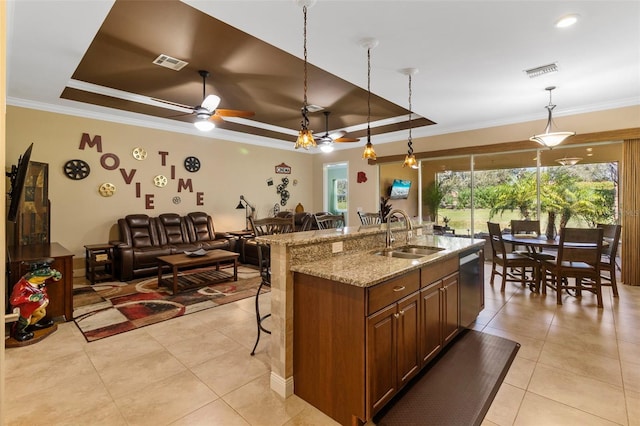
459,386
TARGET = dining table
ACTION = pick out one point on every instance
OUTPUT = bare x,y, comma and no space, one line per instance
537,243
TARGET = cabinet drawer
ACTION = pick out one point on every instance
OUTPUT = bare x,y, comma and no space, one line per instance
436,271
391,291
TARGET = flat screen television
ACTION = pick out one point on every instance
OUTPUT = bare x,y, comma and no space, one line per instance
17,176
399,189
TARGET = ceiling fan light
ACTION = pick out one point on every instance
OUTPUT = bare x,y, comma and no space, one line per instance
204,125
326,147
211,102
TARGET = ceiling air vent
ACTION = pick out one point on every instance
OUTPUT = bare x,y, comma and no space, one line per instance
544,69
169,62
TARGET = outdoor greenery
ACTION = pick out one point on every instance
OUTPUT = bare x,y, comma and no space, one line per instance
581,195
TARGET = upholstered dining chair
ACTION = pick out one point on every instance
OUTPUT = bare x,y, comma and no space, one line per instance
266,226
608,265
369,218
578,258
329,221
513,266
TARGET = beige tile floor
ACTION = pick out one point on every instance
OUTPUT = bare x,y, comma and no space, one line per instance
577,366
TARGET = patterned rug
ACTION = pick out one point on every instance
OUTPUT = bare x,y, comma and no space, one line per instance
105,309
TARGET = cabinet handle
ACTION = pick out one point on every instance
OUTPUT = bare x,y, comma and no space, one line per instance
396,315
399,288
401,312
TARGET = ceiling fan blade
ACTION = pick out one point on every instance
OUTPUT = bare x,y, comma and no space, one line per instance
211,102
343,140
234,113
337,135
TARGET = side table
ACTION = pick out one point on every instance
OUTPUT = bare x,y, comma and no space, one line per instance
98,262
241,236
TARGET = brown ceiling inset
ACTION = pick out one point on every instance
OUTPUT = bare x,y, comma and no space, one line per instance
247,73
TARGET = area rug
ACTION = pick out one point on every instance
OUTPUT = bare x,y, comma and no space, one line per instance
110,308
458,388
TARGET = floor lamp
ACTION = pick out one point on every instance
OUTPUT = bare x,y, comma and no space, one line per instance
249,210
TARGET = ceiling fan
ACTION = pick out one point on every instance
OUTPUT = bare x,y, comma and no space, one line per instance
208,112
326,141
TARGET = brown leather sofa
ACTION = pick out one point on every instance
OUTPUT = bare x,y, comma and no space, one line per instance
144,238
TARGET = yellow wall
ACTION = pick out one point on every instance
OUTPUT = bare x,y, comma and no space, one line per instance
80,215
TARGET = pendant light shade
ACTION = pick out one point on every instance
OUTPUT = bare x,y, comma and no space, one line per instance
305,136
410,159
369,153
550,139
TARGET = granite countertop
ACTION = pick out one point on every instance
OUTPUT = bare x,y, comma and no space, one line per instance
364,268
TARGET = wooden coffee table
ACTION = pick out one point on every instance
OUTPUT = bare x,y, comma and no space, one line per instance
181,261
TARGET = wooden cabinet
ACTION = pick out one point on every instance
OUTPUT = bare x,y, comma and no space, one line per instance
439,309
392,350
356,347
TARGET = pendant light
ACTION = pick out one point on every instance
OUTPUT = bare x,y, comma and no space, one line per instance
305,136
550,139
369,152
410,159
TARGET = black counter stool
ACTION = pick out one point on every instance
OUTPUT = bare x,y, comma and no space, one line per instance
264,261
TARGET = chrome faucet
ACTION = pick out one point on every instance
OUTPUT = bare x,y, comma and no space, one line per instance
389,239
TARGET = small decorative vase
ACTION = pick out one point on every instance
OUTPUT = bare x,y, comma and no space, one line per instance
299,208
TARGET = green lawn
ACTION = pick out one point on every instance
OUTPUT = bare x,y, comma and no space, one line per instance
461,220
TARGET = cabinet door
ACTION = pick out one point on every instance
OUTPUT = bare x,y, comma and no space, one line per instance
408,326
451,287
430,321
381,358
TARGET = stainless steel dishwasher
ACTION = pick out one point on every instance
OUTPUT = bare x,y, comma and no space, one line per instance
471,275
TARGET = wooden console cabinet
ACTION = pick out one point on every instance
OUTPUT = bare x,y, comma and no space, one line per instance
60,292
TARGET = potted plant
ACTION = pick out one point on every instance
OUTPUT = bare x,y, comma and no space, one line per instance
432,197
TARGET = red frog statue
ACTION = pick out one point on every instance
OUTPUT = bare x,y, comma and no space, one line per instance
30,296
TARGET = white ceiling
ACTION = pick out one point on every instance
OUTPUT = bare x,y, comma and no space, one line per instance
471,55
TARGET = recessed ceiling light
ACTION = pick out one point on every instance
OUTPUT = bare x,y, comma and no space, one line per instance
566,21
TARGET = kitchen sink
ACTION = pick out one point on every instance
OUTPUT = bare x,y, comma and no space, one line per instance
421,250
399,254
409,252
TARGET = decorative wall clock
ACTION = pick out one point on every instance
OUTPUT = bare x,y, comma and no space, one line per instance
107,189
192,164
76,169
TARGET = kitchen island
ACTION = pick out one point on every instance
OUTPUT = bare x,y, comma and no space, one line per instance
337,276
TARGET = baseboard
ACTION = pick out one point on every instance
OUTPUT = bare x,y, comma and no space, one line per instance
282,386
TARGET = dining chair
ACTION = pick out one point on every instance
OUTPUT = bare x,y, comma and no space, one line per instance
608,265
529,227
369,218
513,265
329,221
579,253
266,226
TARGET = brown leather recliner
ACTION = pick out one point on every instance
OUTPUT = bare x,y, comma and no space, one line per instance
144,238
